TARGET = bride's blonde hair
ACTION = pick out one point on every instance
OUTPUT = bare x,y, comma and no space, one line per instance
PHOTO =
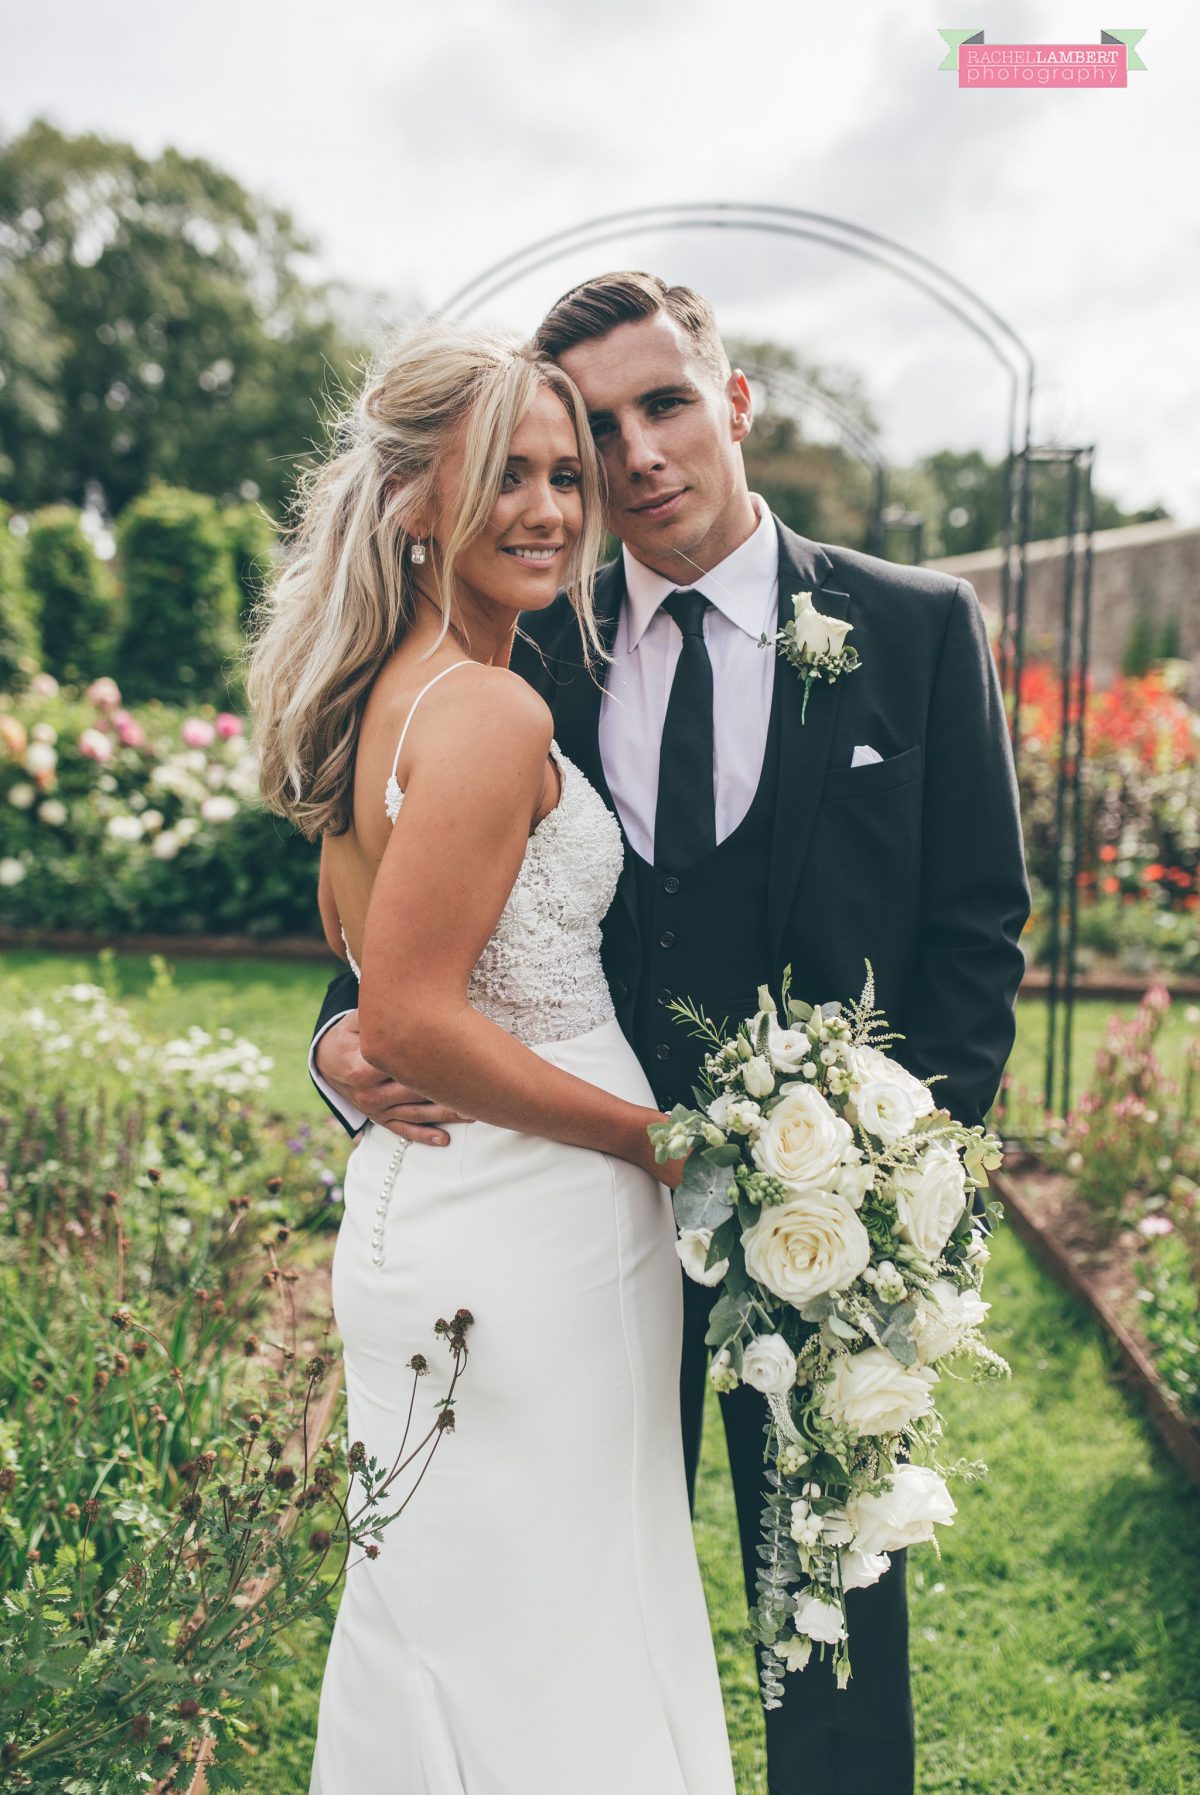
343,594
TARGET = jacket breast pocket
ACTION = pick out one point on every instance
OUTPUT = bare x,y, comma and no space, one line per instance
875,777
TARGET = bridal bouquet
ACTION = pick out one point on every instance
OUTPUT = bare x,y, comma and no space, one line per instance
831,1200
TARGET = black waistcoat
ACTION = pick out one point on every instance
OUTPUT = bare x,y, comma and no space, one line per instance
704,936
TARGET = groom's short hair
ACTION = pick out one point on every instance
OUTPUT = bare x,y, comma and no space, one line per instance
597,306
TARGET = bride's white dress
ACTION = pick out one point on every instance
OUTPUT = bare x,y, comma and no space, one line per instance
534,1623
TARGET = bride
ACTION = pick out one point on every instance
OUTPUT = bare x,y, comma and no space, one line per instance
535,1622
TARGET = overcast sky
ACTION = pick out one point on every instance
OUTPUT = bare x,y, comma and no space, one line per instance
417,145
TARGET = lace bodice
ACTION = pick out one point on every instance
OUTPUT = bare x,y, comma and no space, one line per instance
540,975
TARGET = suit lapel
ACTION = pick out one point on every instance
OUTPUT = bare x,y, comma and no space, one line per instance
804,748
578,693
576,706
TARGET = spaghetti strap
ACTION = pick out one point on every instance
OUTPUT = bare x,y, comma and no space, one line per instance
413,706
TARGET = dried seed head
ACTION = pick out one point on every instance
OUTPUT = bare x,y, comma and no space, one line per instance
274,1185
372,1551
139,1726
38,1384
357,1456
120,1364
8,1479
188,1708
315,1367
254,1422
111,1199
72,1401
274,1448
72,1511
100,1380
191,1504
250,1345
91,1507
419,1363
138,1349
320,1539
284,1478
154,1175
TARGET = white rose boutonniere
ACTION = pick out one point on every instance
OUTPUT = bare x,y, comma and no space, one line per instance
815,645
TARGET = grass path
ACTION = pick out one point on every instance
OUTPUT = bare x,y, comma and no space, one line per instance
1055,1647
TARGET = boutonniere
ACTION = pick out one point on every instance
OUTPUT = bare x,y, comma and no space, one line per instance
815,645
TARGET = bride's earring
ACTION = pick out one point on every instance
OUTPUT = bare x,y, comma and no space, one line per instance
416,553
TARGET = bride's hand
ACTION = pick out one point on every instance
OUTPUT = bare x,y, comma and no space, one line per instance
668,1171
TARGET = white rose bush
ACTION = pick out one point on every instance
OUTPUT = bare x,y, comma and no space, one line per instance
835,1206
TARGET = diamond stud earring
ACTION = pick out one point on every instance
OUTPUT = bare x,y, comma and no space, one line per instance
416,554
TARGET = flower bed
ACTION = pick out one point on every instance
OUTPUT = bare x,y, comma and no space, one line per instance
170,1498
1112,1201
145,820
1139,884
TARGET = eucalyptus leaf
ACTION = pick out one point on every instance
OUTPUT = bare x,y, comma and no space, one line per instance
703,1198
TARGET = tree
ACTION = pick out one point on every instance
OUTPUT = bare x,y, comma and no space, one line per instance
164,327
181,637
74,596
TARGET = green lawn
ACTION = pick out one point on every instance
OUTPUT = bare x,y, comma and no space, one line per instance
1056,1646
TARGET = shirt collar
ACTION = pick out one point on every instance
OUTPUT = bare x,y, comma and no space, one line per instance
736,587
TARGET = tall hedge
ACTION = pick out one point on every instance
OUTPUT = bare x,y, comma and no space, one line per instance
181,634
254,544
73,593
20,649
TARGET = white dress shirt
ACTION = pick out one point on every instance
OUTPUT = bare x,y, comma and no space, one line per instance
744,594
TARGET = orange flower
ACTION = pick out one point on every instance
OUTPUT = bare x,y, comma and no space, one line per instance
1108,852
1110,885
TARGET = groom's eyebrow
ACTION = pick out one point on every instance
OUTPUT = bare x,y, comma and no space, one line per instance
673,390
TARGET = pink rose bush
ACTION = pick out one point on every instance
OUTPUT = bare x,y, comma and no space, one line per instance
128,820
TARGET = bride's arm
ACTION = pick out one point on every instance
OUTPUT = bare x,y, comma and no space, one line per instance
471,796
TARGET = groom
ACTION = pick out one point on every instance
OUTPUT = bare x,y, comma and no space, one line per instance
882,825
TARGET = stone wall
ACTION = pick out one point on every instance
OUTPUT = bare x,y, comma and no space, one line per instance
1149,571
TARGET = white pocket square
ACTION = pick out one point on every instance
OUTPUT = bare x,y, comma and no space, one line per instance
864,755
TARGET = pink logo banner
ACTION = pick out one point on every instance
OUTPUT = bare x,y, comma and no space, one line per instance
980,64
1042,65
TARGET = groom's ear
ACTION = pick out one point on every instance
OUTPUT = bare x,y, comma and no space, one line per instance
741,406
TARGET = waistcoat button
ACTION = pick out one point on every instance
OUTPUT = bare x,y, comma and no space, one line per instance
671,884
662,1051
667,938
664,996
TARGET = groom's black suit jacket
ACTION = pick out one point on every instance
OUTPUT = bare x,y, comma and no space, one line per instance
914,862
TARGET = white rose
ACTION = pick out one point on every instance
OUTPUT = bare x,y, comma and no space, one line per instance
873,1393
905,1513
820,1620
930,1198
789,1048
152,820
125,828
769,1365
218,809
40,758
11,871
166,845
860,1569
53,811
853,1182
885,1109
816,632
870,1063
944,1317
803,1140
758,1077
692,1247
21,796
802,1249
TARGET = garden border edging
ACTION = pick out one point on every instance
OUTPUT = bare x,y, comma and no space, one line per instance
1136,1368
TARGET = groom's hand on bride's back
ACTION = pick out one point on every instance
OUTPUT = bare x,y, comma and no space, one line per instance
340,1062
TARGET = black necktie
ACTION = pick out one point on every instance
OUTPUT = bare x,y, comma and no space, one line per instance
685,823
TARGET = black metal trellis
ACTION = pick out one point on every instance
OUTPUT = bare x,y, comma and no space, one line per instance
1002,342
